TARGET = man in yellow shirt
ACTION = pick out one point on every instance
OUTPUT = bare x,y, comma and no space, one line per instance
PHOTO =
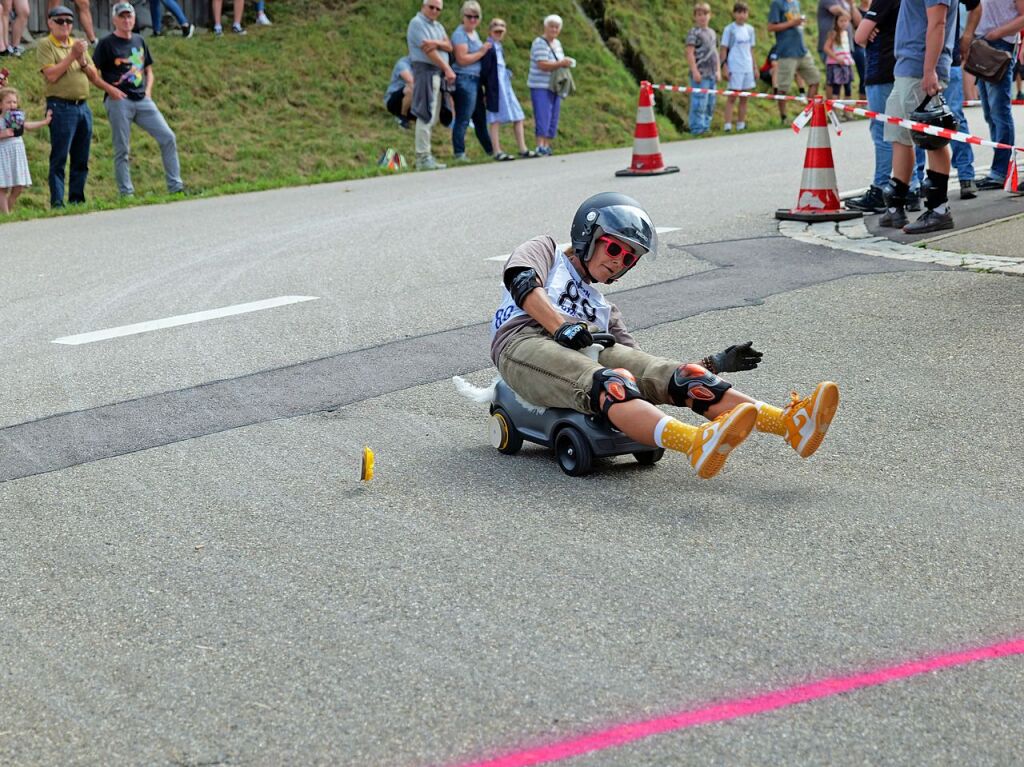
67,68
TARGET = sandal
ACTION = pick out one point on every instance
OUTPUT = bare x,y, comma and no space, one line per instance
503,156
528,154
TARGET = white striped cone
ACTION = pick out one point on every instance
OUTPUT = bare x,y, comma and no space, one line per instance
819,195
647,160
1012,184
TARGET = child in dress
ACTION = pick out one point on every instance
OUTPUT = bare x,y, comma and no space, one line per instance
509,110
839,58
705,71
739,68
14,175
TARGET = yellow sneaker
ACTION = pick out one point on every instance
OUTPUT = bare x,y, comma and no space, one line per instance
808,419
716,439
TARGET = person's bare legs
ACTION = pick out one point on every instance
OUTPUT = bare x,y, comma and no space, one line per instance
12,197
729,102
4,208
493,129
5,12
239,10
85,20
520,130
21,11
742,116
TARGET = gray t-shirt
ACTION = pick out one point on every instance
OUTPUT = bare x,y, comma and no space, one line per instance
705,50
397,83
911,29
421,29
995,13
539,254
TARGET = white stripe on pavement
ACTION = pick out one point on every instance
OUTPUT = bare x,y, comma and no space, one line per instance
181,319
564,245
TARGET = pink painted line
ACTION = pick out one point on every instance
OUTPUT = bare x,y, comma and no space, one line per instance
743,707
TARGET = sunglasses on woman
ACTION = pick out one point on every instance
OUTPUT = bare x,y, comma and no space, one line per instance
614,250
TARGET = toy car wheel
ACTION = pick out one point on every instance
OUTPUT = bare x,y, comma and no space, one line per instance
649,457
573,452
504,434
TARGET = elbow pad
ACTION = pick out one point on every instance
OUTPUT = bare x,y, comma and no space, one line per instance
521,284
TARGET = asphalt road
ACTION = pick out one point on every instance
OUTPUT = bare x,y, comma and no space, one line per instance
193,574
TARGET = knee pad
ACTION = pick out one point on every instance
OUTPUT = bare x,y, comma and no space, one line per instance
691,381
617,385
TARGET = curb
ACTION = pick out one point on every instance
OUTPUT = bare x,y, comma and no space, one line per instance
854,236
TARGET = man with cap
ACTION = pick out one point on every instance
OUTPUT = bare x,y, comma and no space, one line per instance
67,68
125,64
84,17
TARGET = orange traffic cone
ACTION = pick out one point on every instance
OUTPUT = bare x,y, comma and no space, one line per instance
1012,184
819,195
646,150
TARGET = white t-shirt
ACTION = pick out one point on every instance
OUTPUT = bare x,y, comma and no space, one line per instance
740,42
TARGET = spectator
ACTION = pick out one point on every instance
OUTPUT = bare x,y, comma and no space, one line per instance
84,17
20,10
67,68
1000,24
839,58
546,56
738,67
218,12
125,63
261,14
1018,74
398,96
429,48
963,154
786,21
469,102
509,109
877,32
157,12
828,11
705,68
925,35
14,173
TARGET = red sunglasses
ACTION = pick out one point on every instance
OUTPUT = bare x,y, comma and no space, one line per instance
614,250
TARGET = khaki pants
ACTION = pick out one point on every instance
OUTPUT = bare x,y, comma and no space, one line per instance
423,129
548,374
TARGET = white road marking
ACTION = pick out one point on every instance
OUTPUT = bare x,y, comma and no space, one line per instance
564,245
181,319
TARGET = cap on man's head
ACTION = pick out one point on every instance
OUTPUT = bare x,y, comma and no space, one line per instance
120,8
59,10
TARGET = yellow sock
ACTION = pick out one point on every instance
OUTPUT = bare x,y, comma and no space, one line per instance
674,435
769,419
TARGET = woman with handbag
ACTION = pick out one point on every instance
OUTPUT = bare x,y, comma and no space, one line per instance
546,82
995,38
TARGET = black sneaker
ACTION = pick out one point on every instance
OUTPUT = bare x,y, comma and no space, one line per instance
967,190
894,218
930,221
913,200
872,201
991,183
187,30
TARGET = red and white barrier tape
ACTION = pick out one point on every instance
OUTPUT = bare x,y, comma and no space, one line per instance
742,94
919,127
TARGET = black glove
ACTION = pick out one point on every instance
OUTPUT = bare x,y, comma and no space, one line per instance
736,357
574,335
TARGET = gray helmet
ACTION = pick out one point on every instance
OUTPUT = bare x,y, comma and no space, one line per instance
617,215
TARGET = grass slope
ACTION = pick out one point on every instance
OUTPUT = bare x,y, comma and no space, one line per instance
657,29
301,102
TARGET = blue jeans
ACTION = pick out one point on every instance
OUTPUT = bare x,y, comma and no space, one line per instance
702,106
158,13
469,104
963,154
995,104
70,135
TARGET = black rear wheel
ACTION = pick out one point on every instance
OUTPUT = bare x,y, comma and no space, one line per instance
573,452
649,457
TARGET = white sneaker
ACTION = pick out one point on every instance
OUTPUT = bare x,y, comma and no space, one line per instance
727,127
262,20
